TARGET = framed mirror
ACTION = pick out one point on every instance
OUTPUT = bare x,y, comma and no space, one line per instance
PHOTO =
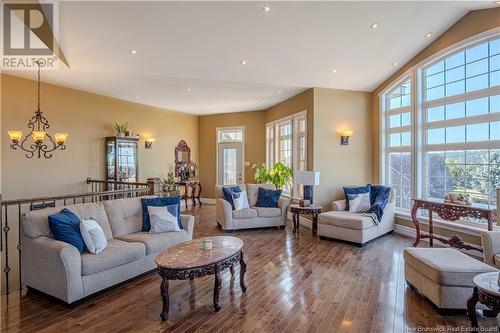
182,157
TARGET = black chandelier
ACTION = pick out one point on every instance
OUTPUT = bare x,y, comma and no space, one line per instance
38,126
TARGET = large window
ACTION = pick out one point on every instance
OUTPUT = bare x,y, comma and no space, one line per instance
398,141
286,142
447,139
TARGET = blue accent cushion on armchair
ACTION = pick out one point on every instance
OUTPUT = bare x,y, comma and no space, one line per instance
65,227
228,193
159,202
355,190
268,197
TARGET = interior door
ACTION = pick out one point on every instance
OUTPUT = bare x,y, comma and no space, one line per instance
230,163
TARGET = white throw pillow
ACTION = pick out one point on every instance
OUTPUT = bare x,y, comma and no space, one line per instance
359,203
162,219
93,236
240,200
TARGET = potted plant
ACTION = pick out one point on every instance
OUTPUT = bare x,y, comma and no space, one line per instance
168,184
280,175
261,175
120,129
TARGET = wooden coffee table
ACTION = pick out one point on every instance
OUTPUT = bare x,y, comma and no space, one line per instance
188,260
487,292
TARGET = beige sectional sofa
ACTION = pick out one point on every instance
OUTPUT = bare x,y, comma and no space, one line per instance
253,217
57,268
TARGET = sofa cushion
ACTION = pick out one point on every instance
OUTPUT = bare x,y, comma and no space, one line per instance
268,197
496,259
156,242
159,202
268,211
117,253
228,194
253,192
125,215
445,266
246,213
65,226
355,190
36,223
345,219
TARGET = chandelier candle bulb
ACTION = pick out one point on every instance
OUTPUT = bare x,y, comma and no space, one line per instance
38,136
60,138
15,136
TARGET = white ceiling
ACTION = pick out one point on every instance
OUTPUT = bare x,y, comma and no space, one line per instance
199,45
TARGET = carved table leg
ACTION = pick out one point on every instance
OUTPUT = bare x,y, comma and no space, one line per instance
315,225
231,269
416,222
217,286
243,269
164,296
471,308
293,221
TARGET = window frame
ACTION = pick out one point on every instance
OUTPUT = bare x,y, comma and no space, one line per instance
419,109
294,136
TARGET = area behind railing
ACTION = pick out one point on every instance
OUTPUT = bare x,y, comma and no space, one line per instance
12,210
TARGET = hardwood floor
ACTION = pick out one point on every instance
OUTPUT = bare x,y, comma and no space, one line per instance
294,285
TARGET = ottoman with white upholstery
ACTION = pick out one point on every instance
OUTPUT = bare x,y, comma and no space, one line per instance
443,275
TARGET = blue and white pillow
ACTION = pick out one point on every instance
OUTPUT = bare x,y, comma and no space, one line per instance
240,200
359,203
355,190
163,218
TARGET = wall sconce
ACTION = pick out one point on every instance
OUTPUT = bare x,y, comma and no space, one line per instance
148,144
344,137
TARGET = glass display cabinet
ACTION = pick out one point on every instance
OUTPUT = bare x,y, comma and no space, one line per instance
122,163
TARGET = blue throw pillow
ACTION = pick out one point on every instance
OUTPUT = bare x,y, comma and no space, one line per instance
355,190
65,227
228,193
268,197
159,202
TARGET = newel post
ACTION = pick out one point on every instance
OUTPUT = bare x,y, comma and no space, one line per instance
154,185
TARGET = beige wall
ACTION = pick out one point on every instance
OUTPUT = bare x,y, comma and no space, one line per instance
87,118
255,144
336,110
300,102
471,24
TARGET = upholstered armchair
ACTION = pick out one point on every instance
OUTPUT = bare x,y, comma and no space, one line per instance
491,248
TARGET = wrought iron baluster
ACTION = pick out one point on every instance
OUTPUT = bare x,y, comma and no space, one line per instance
6,269
19,244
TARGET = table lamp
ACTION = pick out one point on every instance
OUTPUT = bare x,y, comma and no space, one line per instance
308,179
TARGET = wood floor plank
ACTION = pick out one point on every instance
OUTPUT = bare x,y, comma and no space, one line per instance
295,284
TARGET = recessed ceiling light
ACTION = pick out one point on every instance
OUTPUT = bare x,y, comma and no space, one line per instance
497,2
374,25
243,62
429,34
266,8
279,92
334,71
137,97
188,89
395,63
133,51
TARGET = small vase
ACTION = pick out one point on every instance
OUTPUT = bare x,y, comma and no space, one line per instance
120,135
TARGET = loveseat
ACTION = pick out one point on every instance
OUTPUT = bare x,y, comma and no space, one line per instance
57,268
357,228
253,217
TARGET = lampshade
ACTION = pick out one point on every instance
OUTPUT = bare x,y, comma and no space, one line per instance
60,138
38,136
15,136
306,177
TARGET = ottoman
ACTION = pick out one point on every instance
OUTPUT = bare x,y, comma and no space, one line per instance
443,275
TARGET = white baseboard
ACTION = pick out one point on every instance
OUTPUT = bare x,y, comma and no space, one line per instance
410,232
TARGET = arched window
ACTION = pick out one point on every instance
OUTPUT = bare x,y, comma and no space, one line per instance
447,137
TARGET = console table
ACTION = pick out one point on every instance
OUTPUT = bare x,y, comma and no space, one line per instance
449,212
192,190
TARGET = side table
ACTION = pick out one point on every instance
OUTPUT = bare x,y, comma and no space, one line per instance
296,210
487,292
